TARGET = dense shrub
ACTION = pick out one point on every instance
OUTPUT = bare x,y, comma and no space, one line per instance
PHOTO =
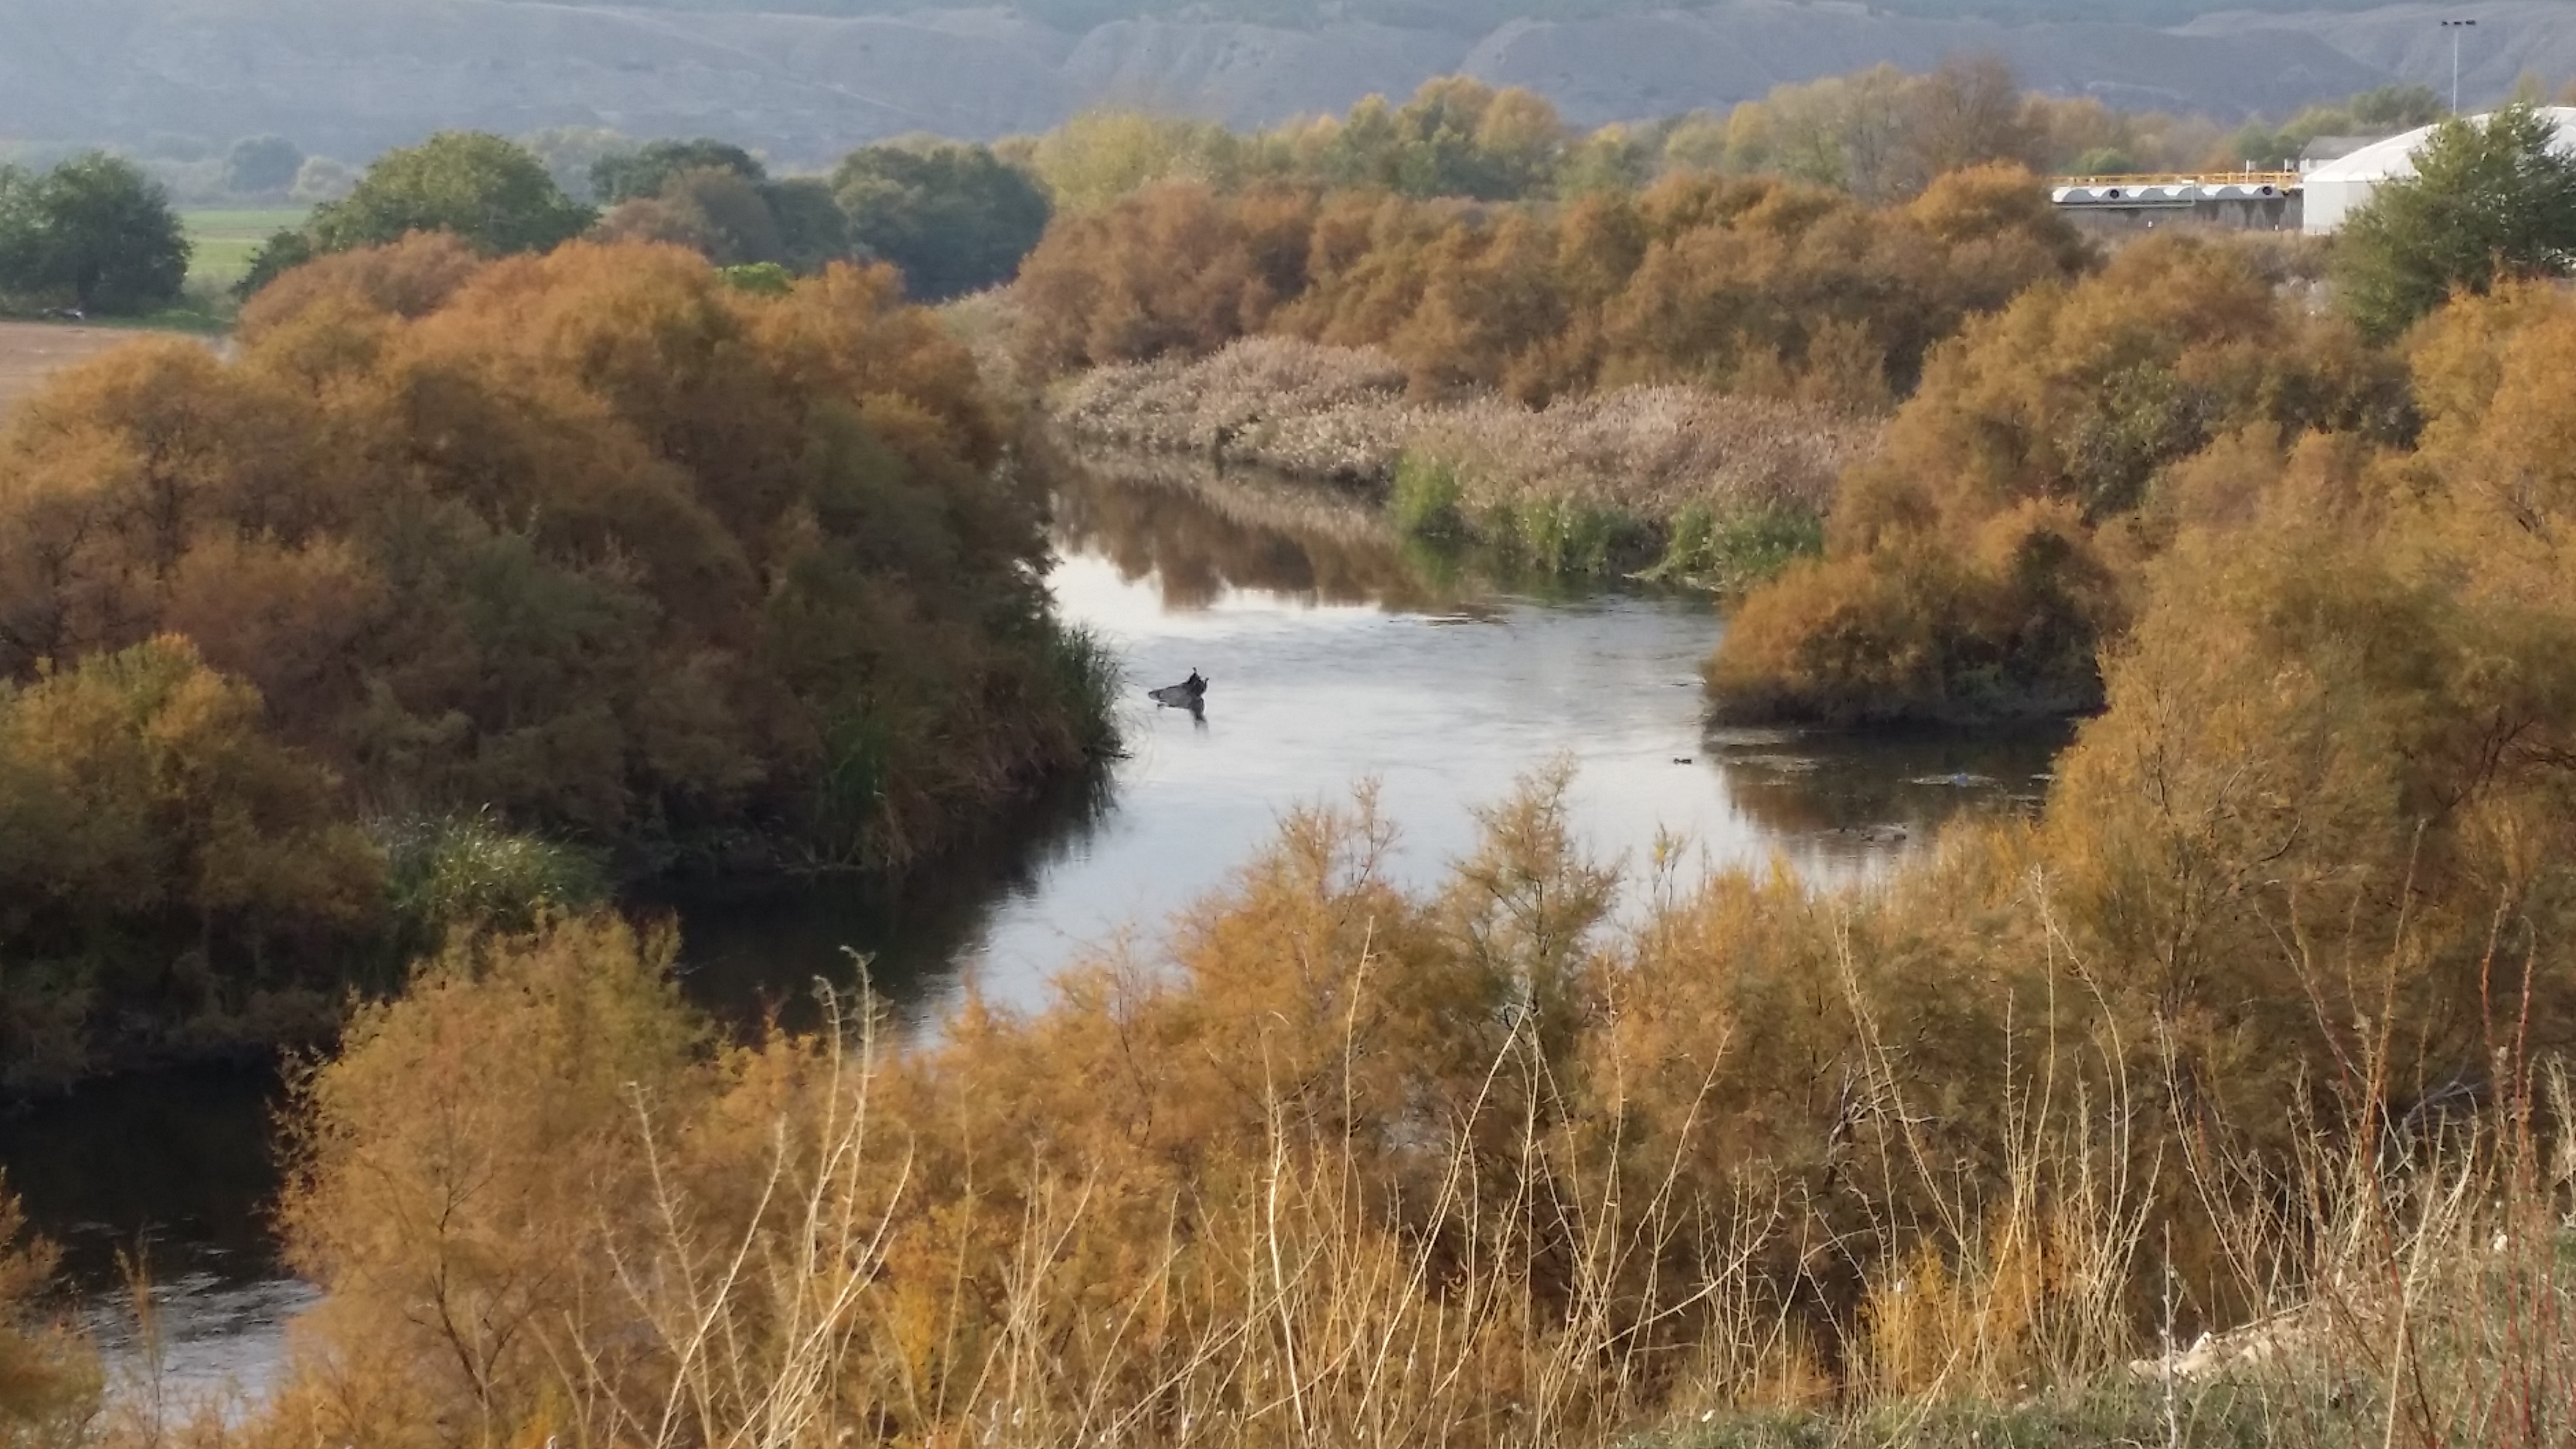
1941,595
1752,285
50,1379
1924,629
625,556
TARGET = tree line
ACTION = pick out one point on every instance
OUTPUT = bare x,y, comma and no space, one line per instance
958,218
1752,283
952,218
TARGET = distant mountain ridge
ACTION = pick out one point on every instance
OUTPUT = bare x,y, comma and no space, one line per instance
350,77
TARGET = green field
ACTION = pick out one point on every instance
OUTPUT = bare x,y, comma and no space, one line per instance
225,240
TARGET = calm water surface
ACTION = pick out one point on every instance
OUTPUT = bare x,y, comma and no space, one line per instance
1334,657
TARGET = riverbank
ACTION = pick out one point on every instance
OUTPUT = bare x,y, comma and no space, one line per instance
1692,485
315,660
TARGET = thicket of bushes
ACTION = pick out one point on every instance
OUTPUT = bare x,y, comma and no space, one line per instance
593,546
1975,565
1753,285
1680,370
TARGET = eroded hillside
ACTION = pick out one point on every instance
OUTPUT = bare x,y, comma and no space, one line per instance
350,77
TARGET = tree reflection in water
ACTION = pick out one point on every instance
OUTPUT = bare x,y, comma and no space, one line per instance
1201,533
1877,789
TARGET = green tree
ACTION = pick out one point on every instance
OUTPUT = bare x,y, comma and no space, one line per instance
736,210
2396,108
488,191
280,254
2487,202
21,228
1456,137
94,231
954,218
257,165
812,229
632,175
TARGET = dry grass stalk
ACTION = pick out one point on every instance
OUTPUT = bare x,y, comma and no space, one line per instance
1480,1166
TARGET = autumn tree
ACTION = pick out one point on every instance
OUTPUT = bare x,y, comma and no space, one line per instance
1175,266
1979,561
594,547
1969,112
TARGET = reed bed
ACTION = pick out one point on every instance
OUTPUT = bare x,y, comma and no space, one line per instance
1342,413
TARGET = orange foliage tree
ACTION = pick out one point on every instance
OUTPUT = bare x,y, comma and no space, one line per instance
1753,284
1975,564
591,541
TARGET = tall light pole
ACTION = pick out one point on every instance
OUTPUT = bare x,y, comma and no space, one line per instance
2455,27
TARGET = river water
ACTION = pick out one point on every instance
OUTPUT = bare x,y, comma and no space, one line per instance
1334,656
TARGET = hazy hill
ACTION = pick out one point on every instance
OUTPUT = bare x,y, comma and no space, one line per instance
348,77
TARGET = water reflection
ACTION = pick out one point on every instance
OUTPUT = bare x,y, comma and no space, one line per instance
749,955
1858,797
173,1168
1198,534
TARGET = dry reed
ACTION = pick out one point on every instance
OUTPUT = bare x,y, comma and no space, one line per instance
1342,413
1284,1190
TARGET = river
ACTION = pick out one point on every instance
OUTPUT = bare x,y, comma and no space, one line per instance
1334,656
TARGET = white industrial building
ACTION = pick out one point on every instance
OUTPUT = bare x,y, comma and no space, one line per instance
2334,188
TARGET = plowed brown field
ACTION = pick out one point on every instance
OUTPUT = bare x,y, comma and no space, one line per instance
30,352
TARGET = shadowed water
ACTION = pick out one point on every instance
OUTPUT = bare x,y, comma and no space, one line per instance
1334,656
